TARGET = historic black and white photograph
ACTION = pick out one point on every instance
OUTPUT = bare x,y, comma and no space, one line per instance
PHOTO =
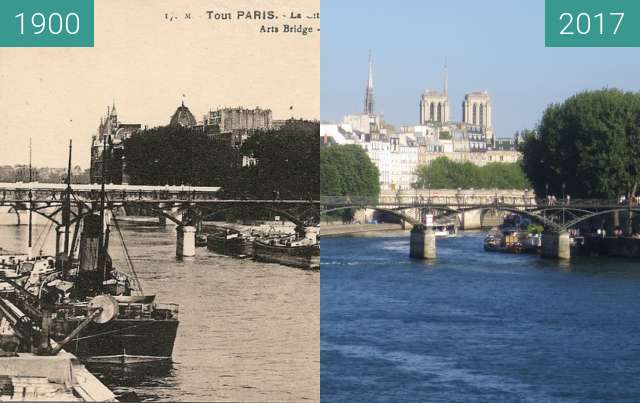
159,207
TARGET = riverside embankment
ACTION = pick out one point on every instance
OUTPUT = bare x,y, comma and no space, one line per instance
346,229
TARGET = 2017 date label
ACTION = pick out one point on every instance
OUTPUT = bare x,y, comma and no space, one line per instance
592,23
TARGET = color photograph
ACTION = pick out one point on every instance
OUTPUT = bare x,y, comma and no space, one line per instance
479,200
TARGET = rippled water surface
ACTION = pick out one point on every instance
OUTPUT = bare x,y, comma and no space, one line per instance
248,331
475,326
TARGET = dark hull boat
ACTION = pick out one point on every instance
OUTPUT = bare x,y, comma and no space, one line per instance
201,240
301,256
230,243
61,300
121,341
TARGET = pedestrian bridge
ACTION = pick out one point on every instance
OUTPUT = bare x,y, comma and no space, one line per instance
186,206
556,216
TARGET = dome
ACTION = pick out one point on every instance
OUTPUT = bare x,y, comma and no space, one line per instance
183,117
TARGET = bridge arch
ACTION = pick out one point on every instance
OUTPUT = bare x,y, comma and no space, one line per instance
597,214
212,211
393,212
499,207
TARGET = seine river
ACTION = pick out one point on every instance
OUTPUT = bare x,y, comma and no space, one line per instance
475,326
248,331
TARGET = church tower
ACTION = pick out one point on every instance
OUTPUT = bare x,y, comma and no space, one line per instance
368,100
434,105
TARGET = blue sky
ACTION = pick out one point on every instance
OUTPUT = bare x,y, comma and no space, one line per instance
493,45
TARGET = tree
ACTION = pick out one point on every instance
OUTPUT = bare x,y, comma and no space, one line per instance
347,170
444,173
590,144
178,155
286,162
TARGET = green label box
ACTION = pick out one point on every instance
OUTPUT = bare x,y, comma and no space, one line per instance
592,23
46,23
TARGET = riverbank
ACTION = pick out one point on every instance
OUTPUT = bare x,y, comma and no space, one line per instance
346,229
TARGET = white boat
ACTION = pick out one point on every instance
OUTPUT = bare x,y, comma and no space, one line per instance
445,230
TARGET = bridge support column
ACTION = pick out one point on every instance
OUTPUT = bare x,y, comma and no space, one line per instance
186,241
556,245
423,243
58,237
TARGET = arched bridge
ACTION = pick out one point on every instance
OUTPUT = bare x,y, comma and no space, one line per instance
185,206
177,204
554,215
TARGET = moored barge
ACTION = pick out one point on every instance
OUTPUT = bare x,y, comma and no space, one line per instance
299,254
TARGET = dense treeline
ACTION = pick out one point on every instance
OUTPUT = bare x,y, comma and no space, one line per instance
347,170
177,155
444,173
284,162
590,143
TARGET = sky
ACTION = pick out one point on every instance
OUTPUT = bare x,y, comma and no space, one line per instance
492,45
145,64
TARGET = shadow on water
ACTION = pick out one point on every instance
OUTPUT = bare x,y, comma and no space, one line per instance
144,381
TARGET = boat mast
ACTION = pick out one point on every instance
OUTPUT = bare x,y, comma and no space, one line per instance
66,212
30,204
101,252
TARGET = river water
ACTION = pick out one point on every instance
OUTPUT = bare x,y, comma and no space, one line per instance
475,326
248,331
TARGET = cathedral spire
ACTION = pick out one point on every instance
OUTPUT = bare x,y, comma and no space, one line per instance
368,100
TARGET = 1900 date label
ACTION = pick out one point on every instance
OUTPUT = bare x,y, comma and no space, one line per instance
46,23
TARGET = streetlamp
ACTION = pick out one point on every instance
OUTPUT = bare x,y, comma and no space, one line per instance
564,201
546,191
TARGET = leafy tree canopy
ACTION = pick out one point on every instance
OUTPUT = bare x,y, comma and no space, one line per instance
283,162
444,173
590,143
286,162
347,170
177,155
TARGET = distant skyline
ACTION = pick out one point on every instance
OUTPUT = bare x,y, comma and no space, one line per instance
495,46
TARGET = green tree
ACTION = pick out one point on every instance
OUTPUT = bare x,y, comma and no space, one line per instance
347,170
590,143
444,173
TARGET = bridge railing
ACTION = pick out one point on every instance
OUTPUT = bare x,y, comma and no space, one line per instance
471,200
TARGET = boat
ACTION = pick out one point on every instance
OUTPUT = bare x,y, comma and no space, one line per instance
302,253
227,241
201,240
59,298
445,230
510,240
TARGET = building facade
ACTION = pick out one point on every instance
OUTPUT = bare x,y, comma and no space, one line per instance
228,120
112,133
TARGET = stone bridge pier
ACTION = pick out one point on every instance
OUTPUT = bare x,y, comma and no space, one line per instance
556,245
422,243
186,241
